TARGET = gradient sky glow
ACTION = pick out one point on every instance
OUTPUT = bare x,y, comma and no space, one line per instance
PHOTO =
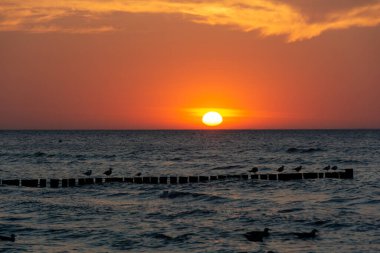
161,64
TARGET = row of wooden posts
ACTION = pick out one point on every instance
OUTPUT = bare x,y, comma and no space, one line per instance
71,182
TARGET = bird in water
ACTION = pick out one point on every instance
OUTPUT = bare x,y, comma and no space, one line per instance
138,174
298,169
334,167
88,173
254,170
108,172
257,236
11,238
327,168
312,234
281,169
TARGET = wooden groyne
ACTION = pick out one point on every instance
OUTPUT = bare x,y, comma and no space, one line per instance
72,182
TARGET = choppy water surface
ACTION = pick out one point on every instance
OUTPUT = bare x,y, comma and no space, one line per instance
209,217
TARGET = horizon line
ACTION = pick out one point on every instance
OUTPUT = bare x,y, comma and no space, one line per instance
193,129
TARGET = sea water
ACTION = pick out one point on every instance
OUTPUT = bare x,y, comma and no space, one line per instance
202,217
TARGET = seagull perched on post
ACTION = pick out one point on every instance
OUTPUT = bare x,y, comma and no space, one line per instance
108,172
298,169
254,170
281,169
334,167
327,168
88,173
257,236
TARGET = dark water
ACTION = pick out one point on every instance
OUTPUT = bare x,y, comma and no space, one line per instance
192,218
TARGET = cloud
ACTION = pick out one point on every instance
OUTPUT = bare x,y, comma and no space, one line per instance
269,17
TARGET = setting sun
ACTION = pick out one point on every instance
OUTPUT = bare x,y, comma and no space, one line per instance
212,119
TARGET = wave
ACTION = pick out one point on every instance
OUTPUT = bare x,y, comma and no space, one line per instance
229,167
348,161
40,154
319,222
176,194
175,159
291,210
202,196
303,150
195,212
164,237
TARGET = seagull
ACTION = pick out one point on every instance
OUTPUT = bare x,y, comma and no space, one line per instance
138,174
281,169
88,173
12,238
298,169
334,167
257,236
312,234
327,168
108,172
254,170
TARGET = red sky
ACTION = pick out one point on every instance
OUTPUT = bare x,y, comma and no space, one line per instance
160,64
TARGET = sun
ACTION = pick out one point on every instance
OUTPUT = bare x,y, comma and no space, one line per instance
212,119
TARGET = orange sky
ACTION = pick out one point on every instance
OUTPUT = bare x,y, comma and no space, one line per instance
159,64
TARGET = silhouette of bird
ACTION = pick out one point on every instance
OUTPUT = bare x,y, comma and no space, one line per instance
327,168
312,234
88,173
12,238
254,170
334,167
281,169
257,236
138,174
298,169
108,172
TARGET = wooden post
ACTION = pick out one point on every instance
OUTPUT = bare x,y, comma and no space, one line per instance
137,180
213,178
183,180
163,180
203,179
254,176
54,183
42,183
310,175
146,180
173,180
29,182
15,182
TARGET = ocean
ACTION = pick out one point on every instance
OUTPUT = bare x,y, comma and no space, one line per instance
202,217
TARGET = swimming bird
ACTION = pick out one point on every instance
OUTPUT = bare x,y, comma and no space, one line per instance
108,172
281,169
12,238
327,168
312,234
254,170
257,236
298,169
88,173
334,167
138,174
